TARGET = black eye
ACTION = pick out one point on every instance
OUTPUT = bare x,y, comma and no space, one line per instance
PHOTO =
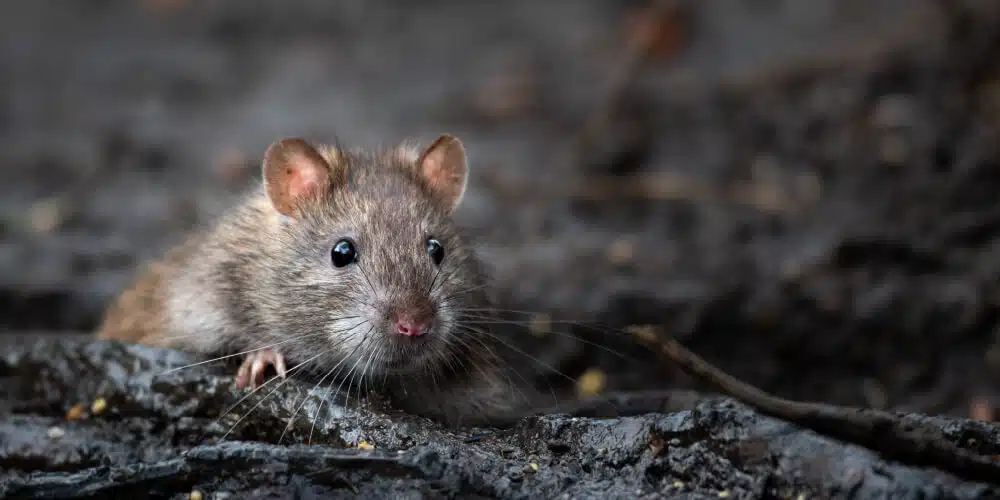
435,250
343,253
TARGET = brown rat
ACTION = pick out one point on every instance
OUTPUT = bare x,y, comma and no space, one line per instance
343,261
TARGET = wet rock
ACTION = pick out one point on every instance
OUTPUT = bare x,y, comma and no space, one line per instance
167,432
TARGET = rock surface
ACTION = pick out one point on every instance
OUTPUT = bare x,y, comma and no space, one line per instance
163,433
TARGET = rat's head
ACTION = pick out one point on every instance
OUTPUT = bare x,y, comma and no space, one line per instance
381,275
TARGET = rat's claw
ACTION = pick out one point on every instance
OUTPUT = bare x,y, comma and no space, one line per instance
251,372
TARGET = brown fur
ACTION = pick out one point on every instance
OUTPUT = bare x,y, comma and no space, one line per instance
258,277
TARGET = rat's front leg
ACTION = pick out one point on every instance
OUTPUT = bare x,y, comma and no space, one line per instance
251,372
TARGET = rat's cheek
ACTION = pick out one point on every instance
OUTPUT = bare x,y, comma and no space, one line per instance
341,326
346,335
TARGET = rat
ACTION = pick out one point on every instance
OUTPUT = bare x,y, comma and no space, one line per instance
346,262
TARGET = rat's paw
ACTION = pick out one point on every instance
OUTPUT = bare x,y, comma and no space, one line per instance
251,372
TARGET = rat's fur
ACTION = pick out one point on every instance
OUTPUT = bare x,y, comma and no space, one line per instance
258,277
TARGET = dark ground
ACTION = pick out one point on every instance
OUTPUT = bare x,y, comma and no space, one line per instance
815,209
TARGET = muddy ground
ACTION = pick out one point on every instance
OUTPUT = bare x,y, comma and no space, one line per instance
802,192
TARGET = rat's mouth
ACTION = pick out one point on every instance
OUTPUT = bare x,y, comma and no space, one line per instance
412,354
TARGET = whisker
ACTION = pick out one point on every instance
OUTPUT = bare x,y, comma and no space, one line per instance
365,274
436,275
351,374
448,360
588,324
521,351
318,410
484,321
268,382
446,277
339,366
463,292
492,362
364,370
306,396
220,358
517,372
283,381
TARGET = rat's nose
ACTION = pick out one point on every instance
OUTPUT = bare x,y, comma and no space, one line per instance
412,327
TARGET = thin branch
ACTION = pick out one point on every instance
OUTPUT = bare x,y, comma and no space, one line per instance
880,431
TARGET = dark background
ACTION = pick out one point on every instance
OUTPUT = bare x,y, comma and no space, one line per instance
804,192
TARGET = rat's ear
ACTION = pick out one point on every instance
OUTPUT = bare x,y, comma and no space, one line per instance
443,166
294,171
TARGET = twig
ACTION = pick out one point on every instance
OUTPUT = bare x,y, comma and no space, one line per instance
877,430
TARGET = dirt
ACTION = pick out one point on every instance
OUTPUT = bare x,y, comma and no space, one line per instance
802,192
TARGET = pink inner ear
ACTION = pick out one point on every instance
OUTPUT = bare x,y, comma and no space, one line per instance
293,171
302,179
443,167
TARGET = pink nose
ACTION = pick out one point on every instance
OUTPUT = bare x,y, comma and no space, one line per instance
412,328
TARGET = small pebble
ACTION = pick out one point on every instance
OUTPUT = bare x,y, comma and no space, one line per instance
98,406
195,495
723,494
56,432
678,484
76,412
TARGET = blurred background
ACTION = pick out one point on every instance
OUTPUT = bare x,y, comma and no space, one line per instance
802,191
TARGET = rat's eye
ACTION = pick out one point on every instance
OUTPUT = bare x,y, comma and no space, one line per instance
343,253
435,250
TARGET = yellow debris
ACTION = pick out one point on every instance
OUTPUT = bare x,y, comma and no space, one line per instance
195,495
98,406
76,412
365,446
590,383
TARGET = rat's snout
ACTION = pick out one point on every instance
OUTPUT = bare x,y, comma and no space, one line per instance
413,318
411,327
